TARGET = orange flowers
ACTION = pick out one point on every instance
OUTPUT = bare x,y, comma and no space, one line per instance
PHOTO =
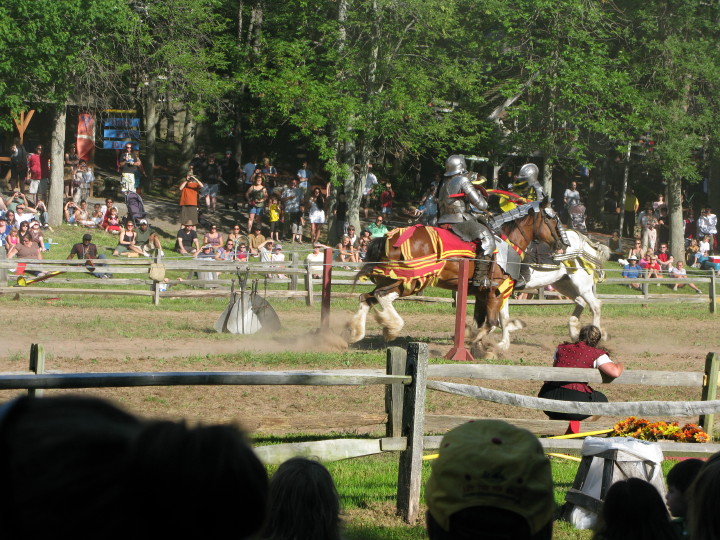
642,429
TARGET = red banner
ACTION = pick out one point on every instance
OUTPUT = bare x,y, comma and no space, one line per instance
86,137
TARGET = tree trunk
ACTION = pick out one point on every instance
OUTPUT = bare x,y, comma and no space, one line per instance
188,141
152,118
677,226
57,152
548,177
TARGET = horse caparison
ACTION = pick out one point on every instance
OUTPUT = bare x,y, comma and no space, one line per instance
540,224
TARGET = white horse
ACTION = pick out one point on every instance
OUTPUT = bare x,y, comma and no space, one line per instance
574,275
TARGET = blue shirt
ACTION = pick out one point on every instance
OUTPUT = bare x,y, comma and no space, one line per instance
630,271
249,170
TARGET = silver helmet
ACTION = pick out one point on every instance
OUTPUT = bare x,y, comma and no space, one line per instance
455,165
529,172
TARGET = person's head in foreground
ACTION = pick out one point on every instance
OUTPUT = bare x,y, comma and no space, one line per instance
99,472
303,503
679,479
633,508
490,481
703,498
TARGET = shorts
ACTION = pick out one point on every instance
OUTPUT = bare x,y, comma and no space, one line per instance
387,209
257,210
317,217
274,226
120,248
210,189
297,228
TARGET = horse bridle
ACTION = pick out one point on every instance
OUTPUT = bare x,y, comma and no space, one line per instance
560,239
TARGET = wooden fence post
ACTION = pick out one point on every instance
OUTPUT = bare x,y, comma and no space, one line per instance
410,465
709,391
37,366
3,270
156,284
396,358
310,300
293,285
713,292
326,289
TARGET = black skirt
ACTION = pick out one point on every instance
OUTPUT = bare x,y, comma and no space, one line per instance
550,391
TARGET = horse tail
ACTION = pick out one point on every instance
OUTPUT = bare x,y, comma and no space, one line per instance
375,251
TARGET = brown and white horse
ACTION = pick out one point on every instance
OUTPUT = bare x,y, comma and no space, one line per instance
406,267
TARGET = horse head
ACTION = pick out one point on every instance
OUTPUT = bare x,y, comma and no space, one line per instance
548,228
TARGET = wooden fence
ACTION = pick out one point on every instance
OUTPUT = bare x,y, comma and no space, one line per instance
406,383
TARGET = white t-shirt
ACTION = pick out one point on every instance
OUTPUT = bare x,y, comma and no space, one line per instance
572,197
315,258
370,181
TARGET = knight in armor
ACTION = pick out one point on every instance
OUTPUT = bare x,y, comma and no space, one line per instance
455,197
527,183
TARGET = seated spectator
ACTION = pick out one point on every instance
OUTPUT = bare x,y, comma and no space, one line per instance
346,251
633,508
265,250
679,479
23,230
581,354
36,234
632,271
187,240
113,221
147,239
14,200
82,216
110,474
303,503
255,240
652,268
636,250
703,498
664,258
315,260
213,237
106,213
491,480
679,272
205,252
87,251
11,219
127,242
278,256
226,252
363,244
26,249
4,229
354,238
242,253
645,259
43,216
235,235
69,211
691,253
704,246
615,245
12,239
377,229
709,264
97,215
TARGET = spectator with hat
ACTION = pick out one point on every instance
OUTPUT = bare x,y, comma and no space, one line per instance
491,480
632,271
315,260
187,240
147,239
86,250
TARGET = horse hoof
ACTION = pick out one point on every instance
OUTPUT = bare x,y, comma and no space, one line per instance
388,336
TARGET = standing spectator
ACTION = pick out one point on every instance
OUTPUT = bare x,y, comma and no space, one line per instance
199,163
648,223
274,216
582,354
84,178
386,199
679,272
632,271
707,226
230,172
316,213
249,170
270,173
70,164
256,197
491,480
304,175
611,210
370,182
189,191
211,179
690,227
659,204
128,164
292,199
631,207
663,226
340,212
18,165
378,228
571,197
187,240
38,171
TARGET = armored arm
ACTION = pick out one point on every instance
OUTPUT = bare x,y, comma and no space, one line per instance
473,195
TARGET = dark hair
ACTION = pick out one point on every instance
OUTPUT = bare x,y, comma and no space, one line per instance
109,474
683,474
703,498
488,523
633,508
303,503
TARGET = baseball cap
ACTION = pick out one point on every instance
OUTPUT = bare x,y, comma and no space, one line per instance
490,463
87,237
277,246
143,222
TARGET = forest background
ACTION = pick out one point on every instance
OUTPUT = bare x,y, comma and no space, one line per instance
571,84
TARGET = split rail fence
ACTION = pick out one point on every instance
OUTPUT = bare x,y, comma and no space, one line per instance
406,383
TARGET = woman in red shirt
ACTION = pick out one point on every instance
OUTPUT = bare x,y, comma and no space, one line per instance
583,354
